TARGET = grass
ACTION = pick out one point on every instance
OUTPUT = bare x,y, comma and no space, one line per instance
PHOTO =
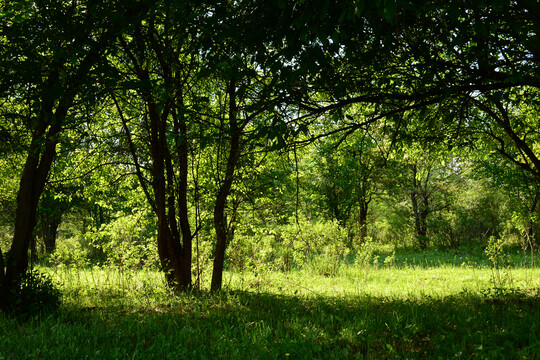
430,305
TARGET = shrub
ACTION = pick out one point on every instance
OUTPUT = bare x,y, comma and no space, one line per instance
318,245
34,293
128,241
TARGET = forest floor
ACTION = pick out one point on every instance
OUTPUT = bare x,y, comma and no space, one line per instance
433,305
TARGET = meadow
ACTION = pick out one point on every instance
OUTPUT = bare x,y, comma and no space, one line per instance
405,305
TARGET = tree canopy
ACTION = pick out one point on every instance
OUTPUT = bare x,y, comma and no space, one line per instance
210,106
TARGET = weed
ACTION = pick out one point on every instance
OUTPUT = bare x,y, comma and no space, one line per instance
34,293
499,260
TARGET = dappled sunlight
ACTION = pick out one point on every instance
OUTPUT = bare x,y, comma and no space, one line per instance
269,179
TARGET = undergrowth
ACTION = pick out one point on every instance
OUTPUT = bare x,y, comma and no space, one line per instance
33,294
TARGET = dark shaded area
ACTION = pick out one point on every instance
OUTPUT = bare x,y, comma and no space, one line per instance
495,324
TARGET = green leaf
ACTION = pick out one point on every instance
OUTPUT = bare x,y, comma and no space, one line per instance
389,10
360,6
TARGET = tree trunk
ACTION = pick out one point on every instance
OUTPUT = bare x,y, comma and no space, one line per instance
183,212
220,220
530,232
169,198
171,253
49,227
420,221
420,211
57,93
177,273
362,218
221,245
49,237
34,176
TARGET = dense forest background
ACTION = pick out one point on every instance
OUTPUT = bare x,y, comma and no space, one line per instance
197,136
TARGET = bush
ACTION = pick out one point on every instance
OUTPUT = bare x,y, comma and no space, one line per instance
128,241
34,293
74,251
318,245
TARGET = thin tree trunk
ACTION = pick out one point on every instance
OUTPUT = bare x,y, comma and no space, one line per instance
169,247
362,218
35,172
183,212
420,212
169,200
174,246
49,227
220,222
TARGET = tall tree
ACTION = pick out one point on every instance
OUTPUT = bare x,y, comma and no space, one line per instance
51,51
160,68
204,77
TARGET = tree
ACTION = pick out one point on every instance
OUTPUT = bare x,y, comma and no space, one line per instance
51,50
349,173
160,69
429,55
421,193
199,86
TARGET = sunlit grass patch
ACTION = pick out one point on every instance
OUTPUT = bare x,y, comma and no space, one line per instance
146,288
377,281
111,286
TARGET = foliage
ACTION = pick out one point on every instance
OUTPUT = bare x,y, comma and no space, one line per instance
72,252
347,173
500,262
35,293
319,245
125,241
252,134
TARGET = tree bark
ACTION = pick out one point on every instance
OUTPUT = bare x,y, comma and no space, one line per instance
183,212
50,221
220,220
169,199
46,126
362,218
421,210
171,253
34,176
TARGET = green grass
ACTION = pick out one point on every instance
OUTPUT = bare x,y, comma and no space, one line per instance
416,306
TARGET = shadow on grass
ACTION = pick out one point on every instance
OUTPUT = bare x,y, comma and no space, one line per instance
242,325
